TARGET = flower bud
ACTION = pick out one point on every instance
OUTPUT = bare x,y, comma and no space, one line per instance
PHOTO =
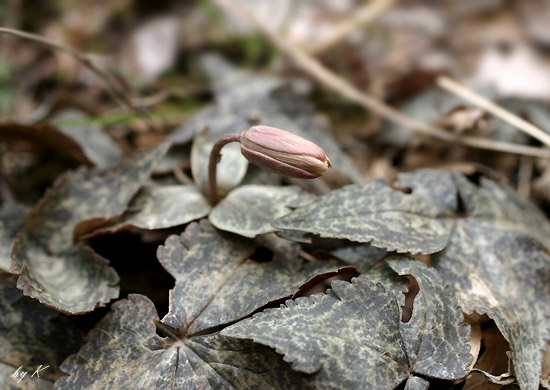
283,153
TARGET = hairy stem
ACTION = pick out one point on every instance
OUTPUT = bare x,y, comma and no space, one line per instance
213,163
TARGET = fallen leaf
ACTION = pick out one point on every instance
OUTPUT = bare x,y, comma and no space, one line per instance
493,360
69,132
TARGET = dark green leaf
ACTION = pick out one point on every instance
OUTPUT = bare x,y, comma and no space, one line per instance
373,212
250,210
352,337
73,281
86,198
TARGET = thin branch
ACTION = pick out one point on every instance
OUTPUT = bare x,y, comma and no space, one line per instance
84,59
330,80
498,111
363,16
181,176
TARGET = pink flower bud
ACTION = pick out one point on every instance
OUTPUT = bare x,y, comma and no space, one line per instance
283,153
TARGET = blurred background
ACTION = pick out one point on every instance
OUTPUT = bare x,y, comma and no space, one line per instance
154,79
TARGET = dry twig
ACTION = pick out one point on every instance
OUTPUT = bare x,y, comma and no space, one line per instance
330,80
487,105
363,16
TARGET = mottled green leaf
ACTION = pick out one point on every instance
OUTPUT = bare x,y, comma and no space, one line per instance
159,208
96,144
250,210
373,212
73,281
31,335
497,263
352,337
390,280
231,168
123,353
86,198
12,222
504,274
216,283
435,337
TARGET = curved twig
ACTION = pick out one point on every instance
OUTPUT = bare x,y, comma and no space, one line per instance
329,79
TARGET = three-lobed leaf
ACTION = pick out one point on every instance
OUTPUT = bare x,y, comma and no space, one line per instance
352,337
215,283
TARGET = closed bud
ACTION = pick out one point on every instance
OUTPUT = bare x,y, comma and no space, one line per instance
283,153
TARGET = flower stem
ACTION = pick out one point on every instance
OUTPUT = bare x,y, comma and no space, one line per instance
214,159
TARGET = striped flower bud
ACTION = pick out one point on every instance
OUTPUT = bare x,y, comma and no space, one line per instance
283,153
